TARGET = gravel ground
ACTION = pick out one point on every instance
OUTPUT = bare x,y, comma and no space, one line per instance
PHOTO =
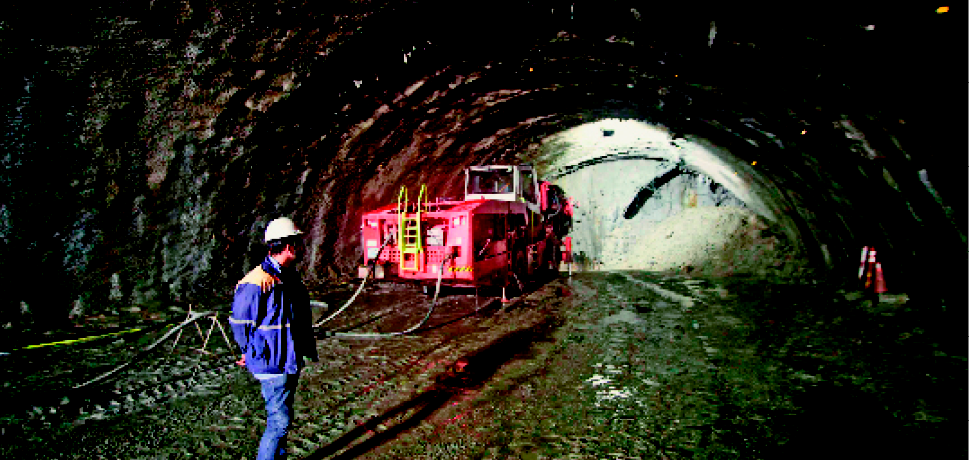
605,365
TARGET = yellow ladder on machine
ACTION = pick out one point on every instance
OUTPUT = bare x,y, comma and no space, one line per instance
409,231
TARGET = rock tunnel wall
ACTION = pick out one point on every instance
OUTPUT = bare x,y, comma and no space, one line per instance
151,146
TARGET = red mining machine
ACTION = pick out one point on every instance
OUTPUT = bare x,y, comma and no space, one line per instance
508,230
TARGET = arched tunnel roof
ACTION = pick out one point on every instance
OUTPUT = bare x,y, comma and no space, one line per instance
203,123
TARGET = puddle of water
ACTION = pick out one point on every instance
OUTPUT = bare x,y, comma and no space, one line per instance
624,316
614,395
610,393
610,368
597,380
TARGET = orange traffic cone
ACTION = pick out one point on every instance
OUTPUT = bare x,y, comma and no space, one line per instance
879,279
868,267
504,298
871,272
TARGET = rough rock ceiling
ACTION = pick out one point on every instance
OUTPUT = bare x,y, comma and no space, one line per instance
182,129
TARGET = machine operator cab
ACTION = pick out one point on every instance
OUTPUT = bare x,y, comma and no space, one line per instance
502,183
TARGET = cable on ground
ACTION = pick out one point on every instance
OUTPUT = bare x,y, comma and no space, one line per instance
194,316
377,335
359,289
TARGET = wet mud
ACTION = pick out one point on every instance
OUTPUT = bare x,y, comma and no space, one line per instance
599,365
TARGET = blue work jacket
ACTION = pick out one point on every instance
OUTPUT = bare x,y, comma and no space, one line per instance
273,329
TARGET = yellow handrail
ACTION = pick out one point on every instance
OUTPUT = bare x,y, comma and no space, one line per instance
400,221
410,236
423,195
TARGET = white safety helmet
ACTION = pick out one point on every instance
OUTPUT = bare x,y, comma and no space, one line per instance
281,228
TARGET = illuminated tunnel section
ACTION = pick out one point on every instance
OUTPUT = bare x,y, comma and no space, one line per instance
506,109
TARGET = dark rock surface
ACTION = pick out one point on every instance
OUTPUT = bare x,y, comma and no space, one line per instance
150,145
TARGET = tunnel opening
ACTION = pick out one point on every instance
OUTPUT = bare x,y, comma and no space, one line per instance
516,130
687,228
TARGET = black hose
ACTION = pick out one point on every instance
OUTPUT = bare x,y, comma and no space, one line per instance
360,289
377,335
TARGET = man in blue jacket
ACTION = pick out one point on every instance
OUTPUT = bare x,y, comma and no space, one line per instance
272,324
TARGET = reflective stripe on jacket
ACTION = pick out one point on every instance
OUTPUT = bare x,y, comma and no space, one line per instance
273,329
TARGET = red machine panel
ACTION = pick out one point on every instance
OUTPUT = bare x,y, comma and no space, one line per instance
474,232
470,242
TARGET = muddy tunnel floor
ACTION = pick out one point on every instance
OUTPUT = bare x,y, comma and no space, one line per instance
600,365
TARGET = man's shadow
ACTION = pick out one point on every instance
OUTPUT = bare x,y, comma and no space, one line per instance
481,366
